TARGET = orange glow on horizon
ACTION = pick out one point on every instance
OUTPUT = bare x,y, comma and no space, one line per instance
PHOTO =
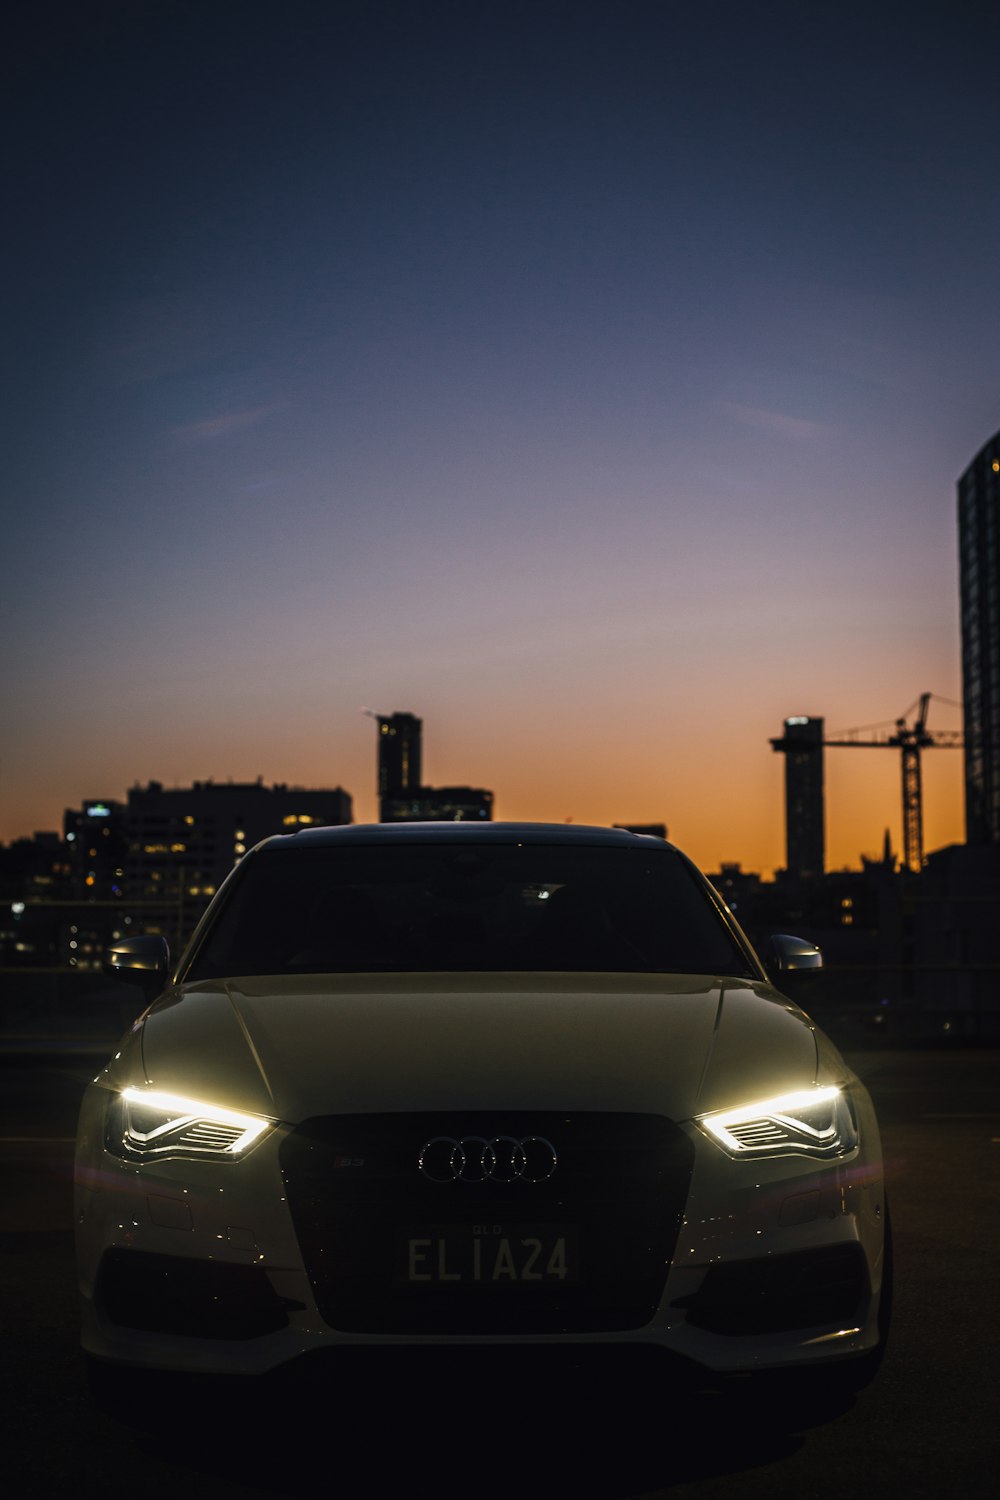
719,803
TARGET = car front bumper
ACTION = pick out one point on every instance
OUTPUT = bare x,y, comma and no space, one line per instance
199,1265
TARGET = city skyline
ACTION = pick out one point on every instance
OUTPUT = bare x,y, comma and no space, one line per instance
594,385
210,784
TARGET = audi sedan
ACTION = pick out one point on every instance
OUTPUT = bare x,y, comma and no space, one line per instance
440,1084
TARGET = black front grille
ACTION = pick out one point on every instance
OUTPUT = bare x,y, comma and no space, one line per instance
376,1234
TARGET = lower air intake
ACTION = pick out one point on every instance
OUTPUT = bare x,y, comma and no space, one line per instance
207,1299
809,1289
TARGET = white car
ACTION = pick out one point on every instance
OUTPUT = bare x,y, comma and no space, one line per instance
452,1084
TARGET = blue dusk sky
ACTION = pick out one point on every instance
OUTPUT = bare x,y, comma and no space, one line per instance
591,380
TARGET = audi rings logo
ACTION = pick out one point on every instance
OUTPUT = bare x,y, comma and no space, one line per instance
473,1159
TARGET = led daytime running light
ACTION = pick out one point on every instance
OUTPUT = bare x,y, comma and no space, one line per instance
783,1124
181,1112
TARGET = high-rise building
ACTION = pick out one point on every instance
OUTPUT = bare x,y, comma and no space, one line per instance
402,797
805,845
979,577
97,845
399,758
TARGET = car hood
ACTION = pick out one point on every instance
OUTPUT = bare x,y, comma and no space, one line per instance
296,1047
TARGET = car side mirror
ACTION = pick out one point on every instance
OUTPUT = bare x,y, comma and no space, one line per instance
783,953
142,960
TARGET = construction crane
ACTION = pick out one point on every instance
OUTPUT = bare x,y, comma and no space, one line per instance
910,739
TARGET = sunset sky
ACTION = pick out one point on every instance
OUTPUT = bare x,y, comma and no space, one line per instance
591,380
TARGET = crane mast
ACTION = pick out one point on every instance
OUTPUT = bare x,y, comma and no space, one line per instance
911,741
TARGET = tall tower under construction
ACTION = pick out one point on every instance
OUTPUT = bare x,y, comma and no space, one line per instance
979,582
399,768
805,844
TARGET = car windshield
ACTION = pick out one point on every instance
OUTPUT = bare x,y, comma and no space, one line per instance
423,908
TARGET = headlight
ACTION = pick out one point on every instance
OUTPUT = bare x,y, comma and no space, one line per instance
812,1122
148,1123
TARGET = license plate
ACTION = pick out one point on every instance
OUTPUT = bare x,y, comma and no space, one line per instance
489,1255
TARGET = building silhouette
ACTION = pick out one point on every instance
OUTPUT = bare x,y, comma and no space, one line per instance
97,845
400,749
149,864
979,582
153,862
182,842
805,843
402,798
439,804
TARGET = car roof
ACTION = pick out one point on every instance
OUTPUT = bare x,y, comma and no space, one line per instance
464,833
